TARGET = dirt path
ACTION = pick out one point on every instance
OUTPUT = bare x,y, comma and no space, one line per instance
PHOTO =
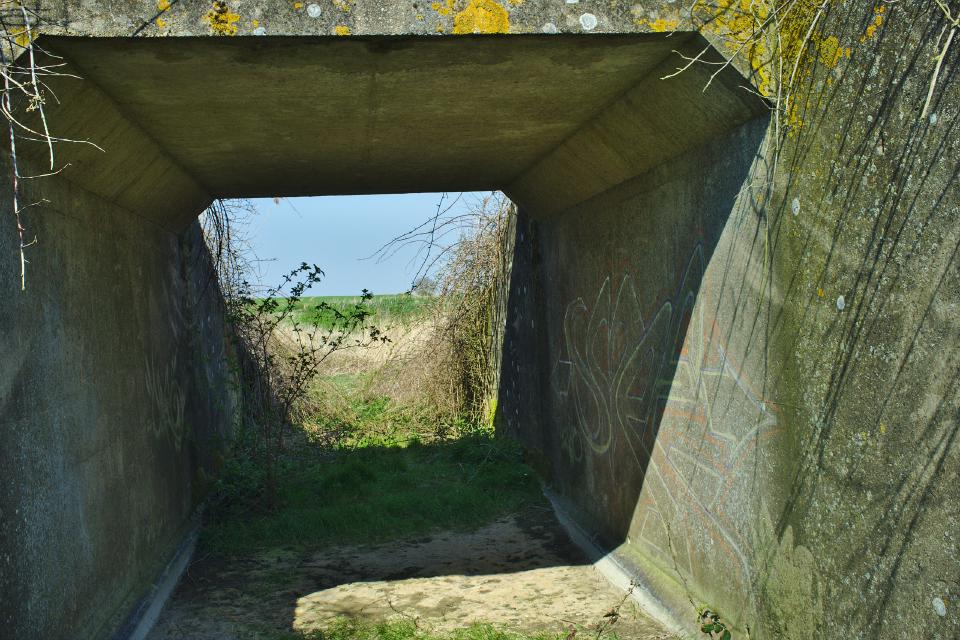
519,573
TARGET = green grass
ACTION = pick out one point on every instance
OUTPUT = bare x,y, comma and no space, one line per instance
386,309
382,484
348,629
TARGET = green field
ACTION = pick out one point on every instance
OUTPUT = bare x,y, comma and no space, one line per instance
387,309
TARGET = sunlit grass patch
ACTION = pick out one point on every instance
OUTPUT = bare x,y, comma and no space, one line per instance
385,309
384,481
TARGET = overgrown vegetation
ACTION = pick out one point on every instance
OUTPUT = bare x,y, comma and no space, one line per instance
454,373
396,418
278,356
385,477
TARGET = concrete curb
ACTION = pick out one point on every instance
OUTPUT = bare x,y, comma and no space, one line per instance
611,568
143,618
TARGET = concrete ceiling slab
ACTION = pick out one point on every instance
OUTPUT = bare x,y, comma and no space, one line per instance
312,115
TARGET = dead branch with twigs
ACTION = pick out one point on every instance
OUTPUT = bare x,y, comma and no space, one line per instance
25,93
950,29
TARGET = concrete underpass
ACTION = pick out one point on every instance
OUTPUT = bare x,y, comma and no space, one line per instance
733,358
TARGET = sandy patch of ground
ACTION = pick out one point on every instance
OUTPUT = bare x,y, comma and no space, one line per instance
519,573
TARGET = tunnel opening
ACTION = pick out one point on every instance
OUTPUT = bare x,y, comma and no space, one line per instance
625,176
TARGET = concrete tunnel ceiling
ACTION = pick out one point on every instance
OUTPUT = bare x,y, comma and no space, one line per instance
183,120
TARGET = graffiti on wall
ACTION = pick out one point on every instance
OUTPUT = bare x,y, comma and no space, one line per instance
167,401
661,392
614,365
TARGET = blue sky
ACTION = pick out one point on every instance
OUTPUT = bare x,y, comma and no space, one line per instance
336,232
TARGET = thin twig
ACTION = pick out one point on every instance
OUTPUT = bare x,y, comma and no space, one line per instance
953,26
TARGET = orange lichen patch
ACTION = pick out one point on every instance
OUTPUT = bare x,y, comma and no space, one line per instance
443,8
222,21
341,30
878,18
482,16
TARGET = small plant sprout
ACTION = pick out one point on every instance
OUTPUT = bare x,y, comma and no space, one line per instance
711,625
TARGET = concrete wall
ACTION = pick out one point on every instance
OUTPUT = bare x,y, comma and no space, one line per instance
113,380
731,342
747,381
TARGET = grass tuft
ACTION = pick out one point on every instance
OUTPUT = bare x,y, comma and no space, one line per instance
352,629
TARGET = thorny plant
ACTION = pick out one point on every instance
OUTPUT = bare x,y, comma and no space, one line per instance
612,616
279,355
25,92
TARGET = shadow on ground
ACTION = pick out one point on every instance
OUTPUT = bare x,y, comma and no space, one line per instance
515,568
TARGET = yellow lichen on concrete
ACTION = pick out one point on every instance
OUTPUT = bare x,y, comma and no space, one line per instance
873,27
23,36
742,29
660,25
482,16
222,21
831,52
163,5
443,8
802,45
342,30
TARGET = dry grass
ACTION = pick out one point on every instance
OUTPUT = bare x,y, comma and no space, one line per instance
443,362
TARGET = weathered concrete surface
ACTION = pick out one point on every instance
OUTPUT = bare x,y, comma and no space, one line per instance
741,373
624,318
384,17
112,385
746,374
